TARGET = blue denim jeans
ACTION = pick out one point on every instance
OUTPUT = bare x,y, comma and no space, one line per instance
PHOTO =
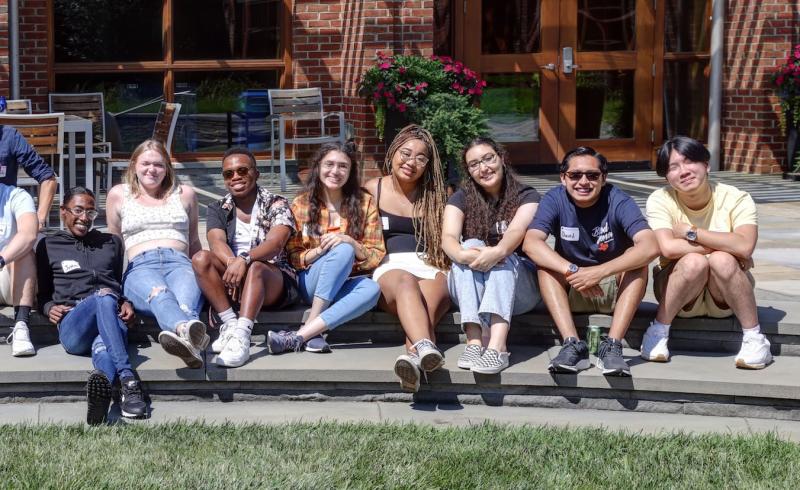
329,279
509,288
94,326
160,283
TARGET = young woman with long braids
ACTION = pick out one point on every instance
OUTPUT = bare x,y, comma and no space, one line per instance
413,276
338,234
491,278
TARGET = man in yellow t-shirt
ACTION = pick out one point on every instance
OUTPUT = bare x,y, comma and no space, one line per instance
706,232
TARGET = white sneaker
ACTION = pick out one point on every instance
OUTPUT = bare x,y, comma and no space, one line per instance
225,332
406,367
20,340
237,349
654,345
754,353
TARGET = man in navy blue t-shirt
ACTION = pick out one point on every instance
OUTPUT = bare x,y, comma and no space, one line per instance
603,246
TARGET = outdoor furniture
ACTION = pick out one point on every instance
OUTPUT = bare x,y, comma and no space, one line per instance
298,105
18,106
256,109
45,133
163,131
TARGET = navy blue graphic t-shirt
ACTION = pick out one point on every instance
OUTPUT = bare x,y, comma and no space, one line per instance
593,235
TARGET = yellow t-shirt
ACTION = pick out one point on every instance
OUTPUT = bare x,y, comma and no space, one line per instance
728,209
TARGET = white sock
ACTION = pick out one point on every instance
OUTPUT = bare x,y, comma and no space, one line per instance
227,315
752,332
245,324
661,327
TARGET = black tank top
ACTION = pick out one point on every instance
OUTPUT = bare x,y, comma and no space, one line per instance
398,231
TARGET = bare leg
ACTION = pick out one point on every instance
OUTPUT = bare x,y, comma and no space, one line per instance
500,330
263,286
419,304
209,269
685,283
630,293
730,286
553,288
474,333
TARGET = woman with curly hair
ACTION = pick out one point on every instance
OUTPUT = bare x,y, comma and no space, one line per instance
338,235
413,275
491,279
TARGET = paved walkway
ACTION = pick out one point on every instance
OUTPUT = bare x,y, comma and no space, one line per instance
440,415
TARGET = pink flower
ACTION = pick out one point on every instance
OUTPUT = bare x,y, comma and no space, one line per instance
401,107
455,86
401,70
385,66
379,86
483,83
448,68
779,80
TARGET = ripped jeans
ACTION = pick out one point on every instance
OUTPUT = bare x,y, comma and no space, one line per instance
160,283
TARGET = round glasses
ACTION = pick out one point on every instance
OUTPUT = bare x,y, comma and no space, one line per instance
419,160
78,212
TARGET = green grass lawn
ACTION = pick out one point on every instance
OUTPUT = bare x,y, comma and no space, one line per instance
331,455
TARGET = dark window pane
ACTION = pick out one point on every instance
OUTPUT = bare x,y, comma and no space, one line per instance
443,30
686,99
107,30
222,110
127,124
607,25
222,29
511,102
686,26
604,105
511,27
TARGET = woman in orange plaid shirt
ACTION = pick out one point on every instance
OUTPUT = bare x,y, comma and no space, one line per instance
339,234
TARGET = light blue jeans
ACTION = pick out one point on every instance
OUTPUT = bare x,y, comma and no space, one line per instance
160,283
509,288
329,279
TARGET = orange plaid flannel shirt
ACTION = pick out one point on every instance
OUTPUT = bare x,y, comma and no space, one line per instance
302,242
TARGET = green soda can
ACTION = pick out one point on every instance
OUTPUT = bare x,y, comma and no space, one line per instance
593,338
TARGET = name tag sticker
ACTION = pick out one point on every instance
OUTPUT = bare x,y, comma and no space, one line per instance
569,234
69,265
385,222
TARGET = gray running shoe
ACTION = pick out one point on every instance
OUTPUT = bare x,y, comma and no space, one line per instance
317,344
573,357
406,367
430,359
178,345
491,362
283,341
471,354
609,358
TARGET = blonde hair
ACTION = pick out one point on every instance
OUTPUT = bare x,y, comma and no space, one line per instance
429,206
170,181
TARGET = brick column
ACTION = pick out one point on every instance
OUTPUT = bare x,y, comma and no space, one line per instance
335,41
757,39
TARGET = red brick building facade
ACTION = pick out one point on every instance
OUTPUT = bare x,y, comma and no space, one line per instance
331,42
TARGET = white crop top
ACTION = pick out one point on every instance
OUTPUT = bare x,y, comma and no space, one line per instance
144,223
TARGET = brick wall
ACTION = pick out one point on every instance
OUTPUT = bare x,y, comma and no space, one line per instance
756,41
335,41
33,51
4,86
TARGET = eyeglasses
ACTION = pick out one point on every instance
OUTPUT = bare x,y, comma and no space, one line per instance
78,212
590,176
240,171
420,160
486,160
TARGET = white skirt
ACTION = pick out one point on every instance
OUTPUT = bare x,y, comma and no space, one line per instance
409,262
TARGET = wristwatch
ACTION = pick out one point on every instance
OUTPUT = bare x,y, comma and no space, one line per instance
691,235
246,257
2,263
572,269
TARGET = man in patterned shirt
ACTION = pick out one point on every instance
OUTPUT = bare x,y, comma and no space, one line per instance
247,265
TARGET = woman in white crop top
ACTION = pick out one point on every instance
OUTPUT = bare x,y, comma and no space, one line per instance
157,219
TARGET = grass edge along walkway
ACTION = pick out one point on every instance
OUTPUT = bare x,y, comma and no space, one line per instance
337,455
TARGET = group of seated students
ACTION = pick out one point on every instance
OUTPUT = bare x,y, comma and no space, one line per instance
399,242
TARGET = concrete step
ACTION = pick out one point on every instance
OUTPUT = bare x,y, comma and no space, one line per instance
780,322
691,383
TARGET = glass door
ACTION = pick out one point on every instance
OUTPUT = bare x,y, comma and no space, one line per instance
563,73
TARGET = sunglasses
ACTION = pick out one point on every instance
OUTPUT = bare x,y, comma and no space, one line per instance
590,176
240,171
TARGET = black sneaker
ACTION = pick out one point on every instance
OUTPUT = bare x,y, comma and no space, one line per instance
573,357
609,358
98,398
132,404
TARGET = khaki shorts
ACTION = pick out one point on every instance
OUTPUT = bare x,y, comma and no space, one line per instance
5,287
703,305
604,304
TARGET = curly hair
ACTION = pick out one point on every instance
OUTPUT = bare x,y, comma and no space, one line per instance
481,211
429,206
352,194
